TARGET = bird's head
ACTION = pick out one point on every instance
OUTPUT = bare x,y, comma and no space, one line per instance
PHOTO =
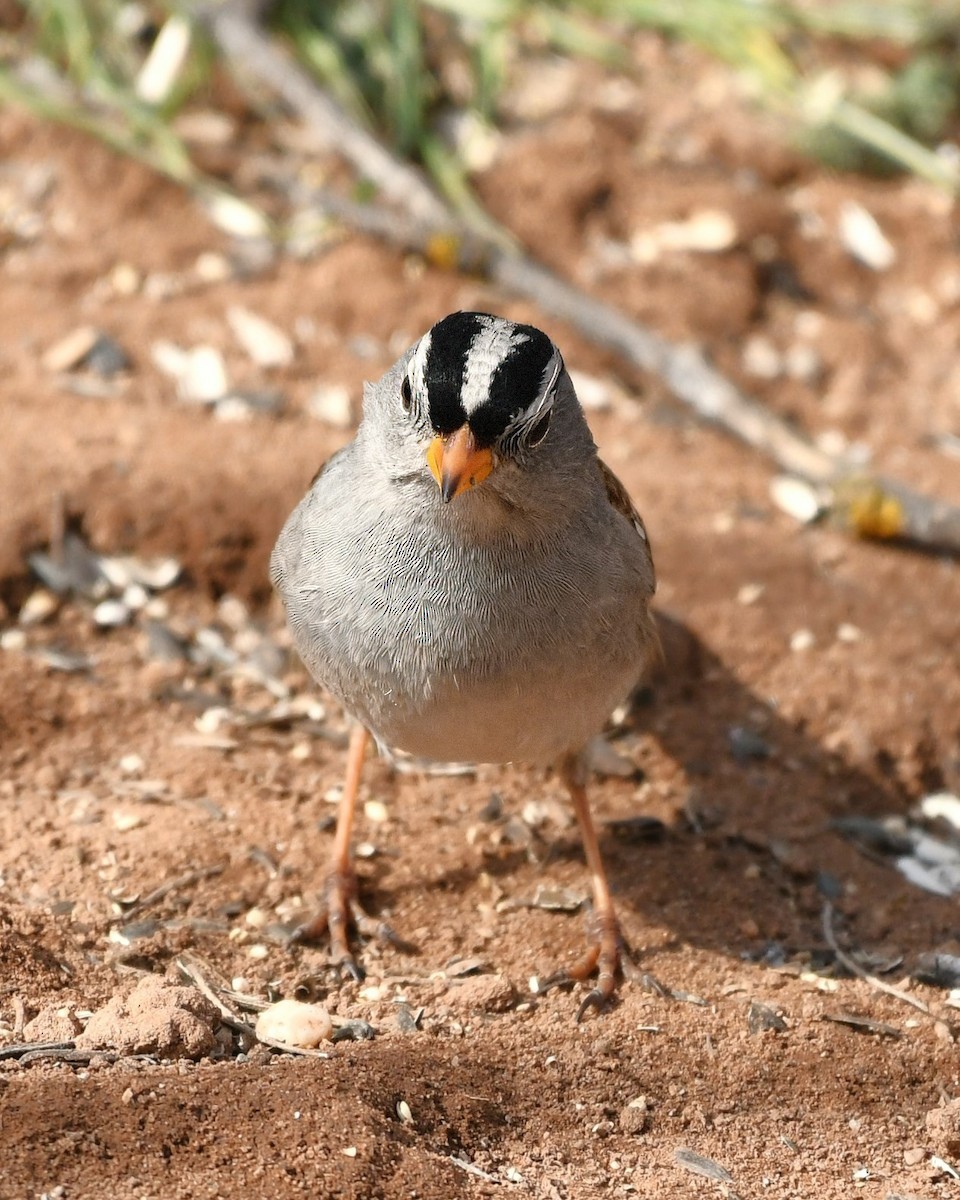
477,393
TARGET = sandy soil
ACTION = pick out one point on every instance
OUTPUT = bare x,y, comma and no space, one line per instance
116,780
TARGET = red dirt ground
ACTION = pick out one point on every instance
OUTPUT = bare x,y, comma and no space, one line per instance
725,907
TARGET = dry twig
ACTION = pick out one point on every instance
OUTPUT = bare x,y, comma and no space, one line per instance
854,967
868,506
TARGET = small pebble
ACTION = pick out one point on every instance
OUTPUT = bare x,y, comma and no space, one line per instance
235,217
863,238
745,744
131,764
750,593
802,640
803,362
761,358
38,607
635,1118
262,341
295,1023
795,497
71,350
376,811
213,268
848,633
13,639
709,231
107,357
111,614
331,404
913,1156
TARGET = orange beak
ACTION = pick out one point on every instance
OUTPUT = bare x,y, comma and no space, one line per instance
457,463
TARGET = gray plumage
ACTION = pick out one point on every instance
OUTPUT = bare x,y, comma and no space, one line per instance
504,625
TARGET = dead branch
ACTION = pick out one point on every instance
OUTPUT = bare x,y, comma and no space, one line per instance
866,505
851,964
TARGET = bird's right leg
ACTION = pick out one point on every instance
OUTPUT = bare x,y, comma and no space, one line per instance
340,907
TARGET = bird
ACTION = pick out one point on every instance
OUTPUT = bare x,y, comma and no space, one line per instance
473,584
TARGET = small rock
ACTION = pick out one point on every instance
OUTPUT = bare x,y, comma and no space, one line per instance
263,342
156,1017
863,238
111,614
211,267
38,607
235,217
761,1017
635,1118
914,1156
53,1023
709,231
295,1024
802,640
107,357
604,760
803,362
796,498
331,404
484,993
200,373
750,593
71,350
848,633
943,1125
745,744
942,804
761,358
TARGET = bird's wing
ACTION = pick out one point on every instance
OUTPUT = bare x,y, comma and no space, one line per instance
619,499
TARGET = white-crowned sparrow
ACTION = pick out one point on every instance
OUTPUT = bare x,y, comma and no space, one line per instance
472,582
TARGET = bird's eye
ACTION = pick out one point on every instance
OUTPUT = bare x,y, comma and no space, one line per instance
539,430
406,393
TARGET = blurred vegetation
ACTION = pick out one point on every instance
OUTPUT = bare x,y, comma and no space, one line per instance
866,86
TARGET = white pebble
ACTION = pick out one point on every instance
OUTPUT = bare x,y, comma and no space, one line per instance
803,362
236,217
376,811
761,358
205,377
795,497
848,633
212,267
863,238
212,719
111,614
942,804
131,764
263,342
38,607
802,640
750,593
708,231
331,404
295,1023
136,597
71,350
13,639
124,821
258,951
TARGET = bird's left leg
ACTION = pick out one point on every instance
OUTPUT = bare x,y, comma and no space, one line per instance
607,953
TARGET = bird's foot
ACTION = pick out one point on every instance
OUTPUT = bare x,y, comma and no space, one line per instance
608,955
339,911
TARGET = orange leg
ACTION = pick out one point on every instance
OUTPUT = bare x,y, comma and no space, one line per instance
607,952
340,907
